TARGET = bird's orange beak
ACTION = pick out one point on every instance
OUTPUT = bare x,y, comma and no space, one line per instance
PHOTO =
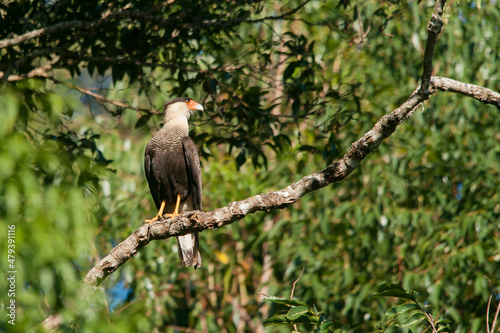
194,106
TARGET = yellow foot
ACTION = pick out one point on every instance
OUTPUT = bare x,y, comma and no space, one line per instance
154,219
174,214
157,217
162,208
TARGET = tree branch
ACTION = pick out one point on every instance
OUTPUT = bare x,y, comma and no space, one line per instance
124,13
482,94
37,72
279,17
41,72
53,322
434,28
118,60
101,98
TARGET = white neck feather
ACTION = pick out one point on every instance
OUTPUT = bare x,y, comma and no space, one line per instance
179,124
175,112
176,119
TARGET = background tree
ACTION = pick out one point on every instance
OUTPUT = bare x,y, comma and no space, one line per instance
287,87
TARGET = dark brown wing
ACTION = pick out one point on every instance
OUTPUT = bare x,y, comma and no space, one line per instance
167,174
193,171
153,181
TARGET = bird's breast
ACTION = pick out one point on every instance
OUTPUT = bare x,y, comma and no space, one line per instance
169,139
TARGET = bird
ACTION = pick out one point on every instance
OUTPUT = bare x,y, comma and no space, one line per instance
173,172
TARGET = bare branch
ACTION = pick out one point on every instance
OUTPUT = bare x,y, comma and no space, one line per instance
117,60
52,322
293,289
42,72
482,94
431,321
37,72
434,28
101,98
488,315
294,282
495,318
279,17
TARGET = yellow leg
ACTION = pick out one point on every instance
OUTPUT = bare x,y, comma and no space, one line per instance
160,213
177,204
162,208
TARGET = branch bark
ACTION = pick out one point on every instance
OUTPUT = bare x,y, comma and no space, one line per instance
434,28
101,98
41,72
482,94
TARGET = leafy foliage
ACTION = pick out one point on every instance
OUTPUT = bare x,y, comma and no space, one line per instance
300,313
414,312
287,86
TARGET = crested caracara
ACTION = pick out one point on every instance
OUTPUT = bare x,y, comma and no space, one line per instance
173,171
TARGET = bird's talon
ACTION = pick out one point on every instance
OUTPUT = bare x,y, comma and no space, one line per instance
154,219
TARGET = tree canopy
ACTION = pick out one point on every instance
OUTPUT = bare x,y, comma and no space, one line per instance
409,240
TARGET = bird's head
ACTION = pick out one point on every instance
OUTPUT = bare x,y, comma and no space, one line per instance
180,107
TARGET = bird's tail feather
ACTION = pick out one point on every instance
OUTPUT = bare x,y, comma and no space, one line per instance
188,250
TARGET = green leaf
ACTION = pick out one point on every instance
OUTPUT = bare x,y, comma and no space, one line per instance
285,320
277,320
443,324
414,319
397,310
10,109
337,324
289,302
290,70
142,121
442,328
306,319
297,311
393,290
328,326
